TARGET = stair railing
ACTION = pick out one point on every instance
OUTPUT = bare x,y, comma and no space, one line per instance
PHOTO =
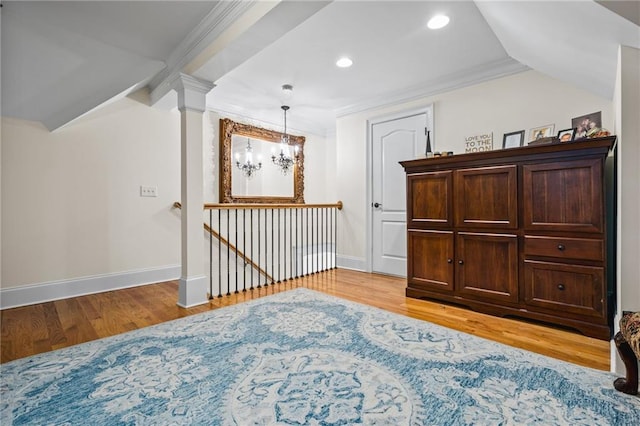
256,245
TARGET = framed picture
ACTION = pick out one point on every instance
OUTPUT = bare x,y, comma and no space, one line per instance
586,125
541,132
513,139
567,135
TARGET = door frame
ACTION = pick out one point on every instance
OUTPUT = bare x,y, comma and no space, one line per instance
426,109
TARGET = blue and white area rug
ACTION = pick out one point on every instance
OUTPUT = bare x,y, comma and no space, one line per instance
305,358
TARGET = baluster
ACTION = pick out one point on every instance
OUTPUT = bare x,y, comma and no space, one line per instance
251,255
326,238
272,250
211,243
278,234
228,254
235,243
290,243
219,253
244,250
335,237
259,259
322,247
297,244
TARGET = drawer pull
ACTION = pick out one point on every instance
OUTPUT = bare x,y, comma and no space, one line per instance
561,247
449,260
560,286
460,262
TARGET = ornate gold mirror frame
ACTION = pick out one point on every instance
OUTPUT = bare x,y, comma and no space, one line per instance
228,128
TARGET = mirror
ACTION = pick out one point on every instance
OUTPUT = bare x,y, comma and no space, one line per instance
267,185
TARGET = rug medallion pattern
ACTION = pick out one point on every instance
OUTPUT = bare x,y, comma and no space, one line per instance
305,358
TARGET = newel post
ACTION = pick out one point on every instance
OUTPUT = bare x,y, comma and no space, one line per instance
191,103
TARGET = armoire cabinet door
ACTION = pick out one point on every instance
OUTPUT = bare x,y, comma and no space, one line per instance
431,264
563,196
486,197
429,198
487,266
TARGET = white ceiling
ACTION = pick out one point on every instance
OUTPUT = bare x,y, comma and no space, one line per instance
62,59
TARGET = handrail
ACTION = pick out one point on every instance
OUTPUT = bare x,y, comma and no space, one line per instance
240,254
249,206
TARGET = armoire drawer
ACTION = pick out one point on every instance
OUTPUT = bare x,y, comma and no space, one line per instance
565,288
564,248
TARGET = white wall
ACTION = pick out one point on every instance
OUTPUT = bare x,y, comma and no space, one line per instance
627,126
73,221
517,102
71,204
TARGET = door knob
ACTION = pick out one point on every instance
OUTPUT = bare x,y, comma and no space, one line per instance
376,205
449,260
460,262
560,286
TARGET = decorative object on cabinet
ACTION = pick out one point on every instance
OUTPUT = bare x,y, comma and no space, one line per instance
528,232
478,143
513,139
542,141
428,153
587,125
566,135
541,132
627,342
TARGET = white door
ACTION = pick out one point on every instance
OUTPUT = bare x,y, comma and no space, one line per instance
393,141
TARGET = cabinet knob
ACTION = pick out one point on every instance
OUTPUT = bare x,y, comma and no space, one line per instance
449,260
460,262
560,286
561,247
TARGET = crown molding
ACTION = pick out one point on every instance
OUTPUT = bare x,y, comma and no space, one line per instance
218,20
241,114
448,83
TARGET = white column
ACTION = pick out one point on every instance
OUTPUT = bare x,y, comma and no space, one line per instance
191,103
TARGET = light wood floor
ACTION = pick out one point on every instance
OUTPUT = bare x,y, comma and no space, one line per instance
47,326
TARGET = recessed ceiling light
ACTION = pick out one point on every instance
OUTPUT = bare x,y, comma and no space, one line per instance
438,21
344,62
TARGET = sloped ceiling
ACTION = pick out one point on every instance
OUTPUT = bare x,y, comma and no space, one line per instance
62,59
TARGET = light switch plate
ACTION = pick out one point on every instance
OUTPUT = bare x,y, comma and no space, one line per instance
148,191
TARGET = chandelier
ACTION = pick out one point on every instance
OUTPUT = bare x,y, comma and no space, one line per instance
284,160
248,168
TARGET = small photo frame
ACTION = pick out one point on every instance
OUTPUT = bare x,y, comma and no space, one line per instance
567,135
586,125
541,132
513,139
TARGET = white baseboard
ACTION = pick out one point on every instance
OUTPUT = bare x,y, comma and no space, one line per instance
352,262
55,290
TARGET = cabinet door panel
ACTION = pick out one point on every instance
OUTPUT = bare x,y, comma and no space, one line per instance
487,266
486,197
567,288
429,199
563,196
431,265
